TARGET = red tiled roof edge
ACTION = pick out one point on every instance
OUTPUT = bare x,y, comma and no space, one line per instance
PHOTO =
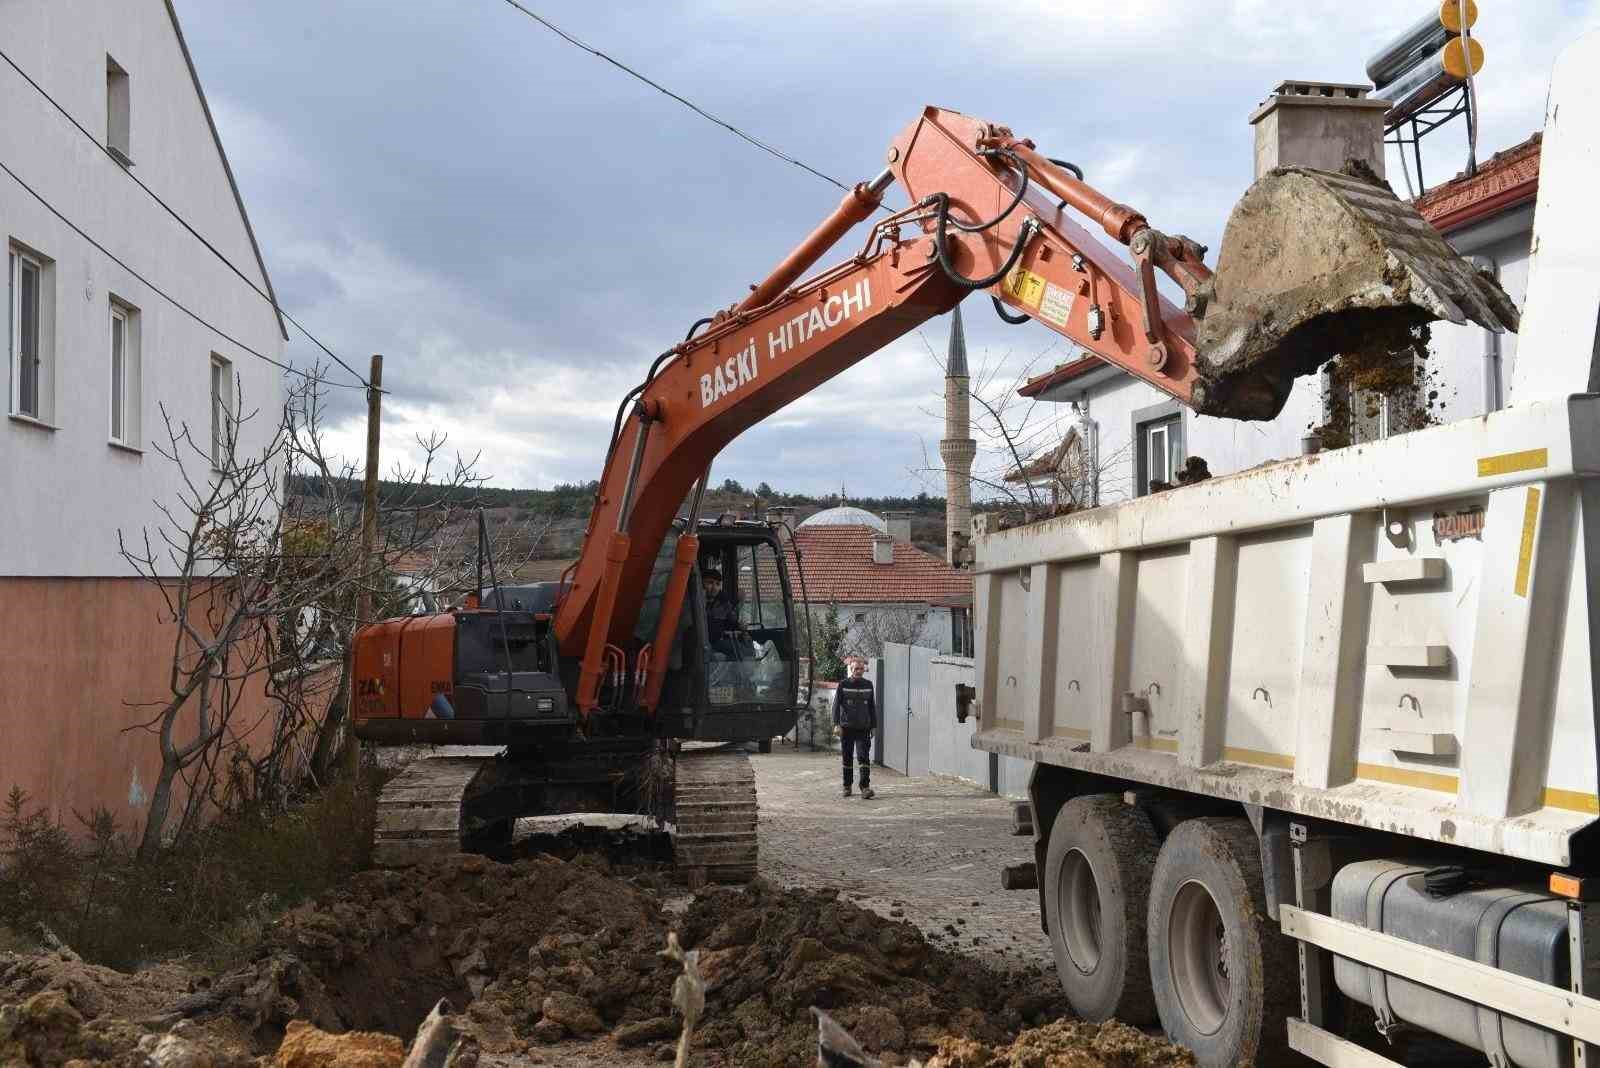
839,568
1507,180
1065,373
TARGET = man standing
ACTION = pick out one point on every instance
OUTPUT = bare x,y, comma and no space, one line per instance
855,711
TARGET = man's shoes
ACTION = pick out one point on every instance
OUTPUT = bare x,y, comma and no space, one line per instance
846,791
868,793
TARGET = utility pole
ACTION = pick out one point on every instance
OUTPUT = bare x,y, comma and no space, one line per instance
369,541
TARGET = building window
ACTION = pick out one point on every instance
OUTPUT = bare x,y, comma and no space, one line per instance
223,427
124,357
861,617
1159,444
960,632
922,617
118,112
32,386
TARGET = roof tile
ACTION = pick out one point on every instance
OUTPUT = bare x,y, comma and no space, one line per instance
838,567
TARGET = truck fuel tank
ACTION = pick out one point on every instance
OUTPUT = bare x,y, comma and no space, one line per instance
1523,931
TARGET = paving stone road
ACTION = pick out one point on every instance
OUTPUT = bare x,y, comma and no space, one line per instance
928,848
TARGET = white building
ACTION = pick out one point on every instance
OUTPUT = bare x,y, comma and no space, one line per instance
94,353
1128,434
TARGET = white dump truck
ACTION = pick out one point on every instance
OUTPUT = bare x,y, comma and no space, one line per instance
1305,757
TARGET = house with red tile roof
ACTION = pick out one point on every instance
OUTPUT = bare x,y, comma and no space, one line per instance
881,587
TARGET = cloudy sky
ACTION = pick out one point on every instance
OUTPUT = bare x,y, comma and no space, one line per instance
520,228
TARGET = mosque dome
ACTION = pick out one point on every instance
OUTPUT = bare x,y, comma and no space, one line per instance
846,515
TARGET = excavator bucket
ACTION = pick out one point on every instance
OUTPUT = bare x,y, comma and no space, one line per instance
1316,265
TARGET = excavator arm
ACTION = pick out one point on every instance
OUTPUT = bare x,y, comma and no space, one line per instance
987,211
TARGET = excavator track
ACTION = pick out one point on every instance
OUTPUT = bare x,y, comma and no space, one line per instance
421,812
714,798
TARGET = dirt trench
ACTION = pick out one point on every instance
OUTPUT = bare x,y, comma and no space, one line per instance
551,961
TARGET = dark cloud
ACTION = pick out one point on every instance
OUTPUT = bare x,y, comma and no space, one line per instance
520,228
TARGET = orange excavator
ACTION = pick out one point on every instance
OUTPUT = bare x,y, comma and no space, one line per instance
593,684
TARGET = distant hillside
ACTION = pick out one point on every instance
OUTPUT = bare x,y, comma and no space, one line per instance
567,508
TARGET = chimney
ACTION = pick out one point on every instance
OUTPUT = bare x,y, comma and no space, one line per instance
882,549
779,515
1318,124
899,525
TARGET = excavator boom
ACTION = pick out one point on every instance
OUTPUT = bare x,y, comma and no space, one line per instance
989,212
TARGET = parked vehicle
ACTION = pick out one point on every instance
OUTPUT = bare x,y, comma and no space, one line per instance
1314,744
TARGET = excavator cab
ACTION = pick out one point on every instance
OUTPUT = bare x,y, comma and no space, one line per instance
733,671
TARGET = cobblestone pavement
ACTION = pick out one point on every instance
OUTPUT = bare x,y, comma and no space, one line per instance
929,849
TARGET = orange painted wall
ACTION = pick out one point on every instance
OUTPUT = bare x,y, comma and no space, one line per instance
72,651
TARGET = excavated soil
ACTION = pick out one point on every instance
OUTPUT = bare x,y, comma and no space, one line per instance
1066,1044
554,961
1382,371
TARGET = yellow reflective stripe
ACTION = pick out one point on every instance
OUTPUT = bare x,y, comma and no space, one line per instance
1530,523
1508,462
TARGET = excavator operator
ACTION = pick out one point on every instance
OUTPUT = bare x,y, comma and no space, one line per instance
722,615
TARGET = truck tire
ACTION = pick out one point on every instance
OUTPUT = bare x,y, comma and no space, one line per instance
1224,977
1096,888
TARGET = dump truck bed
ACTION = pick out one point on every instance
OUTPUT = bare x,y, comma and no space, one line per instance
1393,635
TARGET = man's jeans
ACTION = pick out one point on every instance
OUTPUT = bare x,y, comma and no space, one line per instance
857,746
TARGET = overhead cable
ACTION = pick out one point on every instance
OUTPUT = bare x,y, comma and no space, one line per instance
658,87
114,258
263,294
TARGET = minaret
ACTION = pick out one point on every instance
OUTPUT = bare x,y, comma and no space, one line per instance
957,449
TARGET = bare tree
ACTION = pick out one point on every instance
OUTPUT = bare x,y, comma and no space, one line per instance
1017,438
429,555
210,559
260,567
879,627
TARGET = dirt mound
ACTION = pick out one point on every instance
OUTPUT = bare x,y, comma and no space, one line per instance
55,1008
540,949
1066,1044
45,1031
543,952
768,955
91,990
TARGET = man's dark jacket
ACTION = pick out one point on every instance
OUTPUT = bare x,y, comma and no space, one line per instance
855,709
722,616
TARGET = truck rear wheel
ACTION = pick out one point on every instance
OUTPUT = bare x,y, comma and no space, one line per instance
1096,888
1223,976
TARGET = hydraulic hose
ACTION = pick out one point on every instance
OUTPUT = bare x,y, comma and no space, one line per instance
1000,310
1022,189
943,253
941,204
616,426
1077,171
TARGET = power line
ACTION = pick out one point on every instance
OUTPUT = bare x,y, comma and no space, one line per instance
263,294
51,208
691,105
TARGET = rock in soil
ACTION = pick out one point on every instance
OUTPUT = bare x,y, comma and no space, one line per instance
305,1046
